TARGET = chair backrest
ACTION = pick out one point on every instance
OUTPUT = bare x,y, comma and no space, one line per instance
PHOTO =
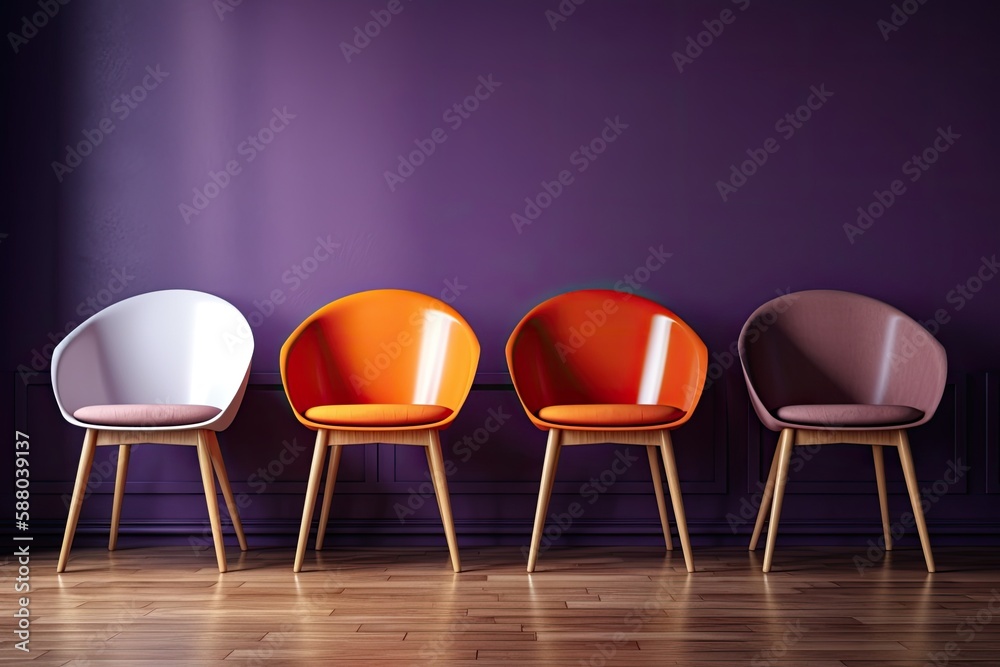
604,346
829,346
380,346
170,346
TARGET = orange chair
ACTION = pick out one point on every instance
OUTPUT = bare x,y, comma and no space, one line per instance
601,366
388,366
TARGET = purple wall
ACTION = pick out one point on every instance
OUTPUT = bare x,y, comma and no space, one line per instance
308,138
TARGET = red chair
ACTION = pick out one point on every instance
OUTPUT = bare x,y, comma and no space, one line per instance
387,366
600,366
826,366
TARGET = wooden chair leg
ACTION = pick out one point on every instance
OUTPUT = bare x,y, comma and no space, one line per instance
331,480
912,486
661,503
765,500
883,497
552,449
430,466
227,492
440,480
674,483
79,491
116,507
785,446
315,473
208,481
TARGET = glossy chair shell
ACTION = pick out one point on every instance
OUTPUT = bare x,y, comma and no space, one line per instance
384,346
173,353
170,346
605,347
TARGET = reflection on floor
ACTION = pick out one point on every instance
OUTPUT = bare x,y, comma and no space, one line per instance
583,606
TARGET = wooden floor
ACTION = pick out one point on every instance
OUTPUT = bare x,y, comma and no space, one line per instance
583,606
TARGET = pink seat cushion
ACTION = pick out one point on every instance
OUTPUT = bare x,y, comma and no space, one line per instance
610,414
378,414
850,415
146,415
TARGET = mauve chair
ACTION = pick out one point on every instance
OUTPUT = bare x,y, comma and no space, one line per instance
826,366
602,366
389,366
167,367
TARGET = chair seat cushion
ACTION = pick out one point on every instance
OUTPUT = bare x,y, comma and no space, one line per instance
610,415
855,415
378,414
141,415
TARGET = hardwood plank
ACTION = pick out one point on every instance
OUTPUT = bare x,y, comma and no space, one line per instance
612,606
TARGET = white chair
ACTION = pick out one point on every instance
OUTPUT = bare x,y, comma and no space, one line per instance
166,367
